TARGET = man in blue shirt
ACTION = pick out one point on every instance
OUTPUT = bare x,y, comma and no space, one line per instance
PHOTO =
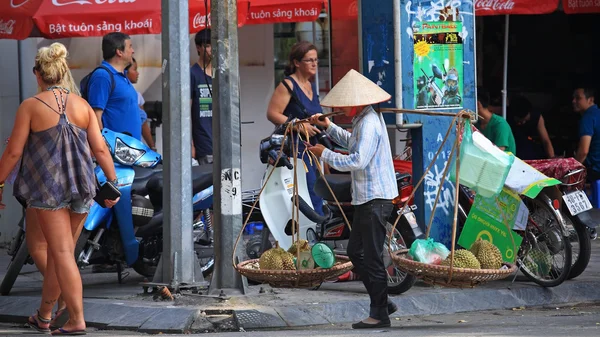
201,90
588,151
117,109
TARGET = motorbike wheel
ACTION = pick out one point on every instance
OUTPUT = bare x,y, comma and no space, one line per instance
14,268
253,247
581,245
544,243
398,281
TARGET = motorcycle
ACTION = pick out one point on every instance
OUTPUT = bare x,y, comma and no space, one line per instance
202,207
134,229
277,200
579,216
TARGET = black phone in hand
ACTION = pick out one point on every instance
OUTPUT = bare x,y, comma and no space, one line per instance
108,191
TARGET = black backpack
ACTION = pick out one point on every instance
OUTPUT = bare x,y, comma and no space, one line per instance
83,85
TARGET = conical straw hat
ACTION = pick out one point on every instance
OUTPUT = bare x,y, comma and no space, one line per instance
354,89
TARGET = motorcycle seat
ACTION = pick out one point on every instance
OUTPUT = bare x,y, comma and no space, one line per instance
340,185
142,176
401,176
202,179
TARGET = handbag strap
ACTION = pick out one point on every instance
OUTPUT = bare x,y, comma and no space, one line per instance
295,97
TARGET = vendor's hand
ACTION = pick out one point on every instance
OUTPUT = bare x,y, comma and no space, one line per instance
110,203
317,150
314,119
2,206
312,130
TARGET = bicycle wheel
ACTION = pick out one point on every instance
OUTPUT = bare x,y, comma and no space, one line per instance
545,253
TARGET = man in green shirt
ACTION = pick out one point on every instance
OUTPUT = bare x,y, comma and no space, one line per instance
494,127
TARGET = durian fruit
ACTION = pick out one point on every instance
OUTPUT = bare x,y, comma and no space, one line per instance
488,255
270,260
276,259
287,261
463,259
303,244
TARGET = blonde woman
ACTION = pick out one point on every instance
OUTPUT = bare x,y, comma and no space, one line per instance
53,134
36,243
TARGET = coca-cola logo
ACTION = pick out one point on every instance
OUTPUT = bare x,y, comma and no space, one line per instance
200,20
6,27
494,5
353,9
17,3
87,2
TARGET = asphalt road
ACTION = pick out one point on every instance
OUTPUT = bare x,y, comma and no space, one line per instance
581,321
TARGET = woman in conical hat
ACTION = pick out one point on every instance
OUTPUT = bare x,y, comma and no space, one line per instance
369,160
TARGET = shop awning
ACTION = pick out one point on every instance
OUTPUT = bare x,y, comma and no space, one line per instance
80,18
510,7
581,6
69,18
277,11
16,18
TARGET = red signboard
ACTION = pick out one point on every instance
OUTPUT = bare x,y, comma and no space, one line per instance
581,6
502,7
273,11
16,18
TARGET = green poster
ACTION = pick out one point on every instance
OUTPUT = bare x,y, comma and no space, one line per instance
493,219
438,64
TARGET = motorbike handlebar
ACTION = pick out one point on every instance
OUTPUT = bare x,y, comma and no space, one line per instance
284,159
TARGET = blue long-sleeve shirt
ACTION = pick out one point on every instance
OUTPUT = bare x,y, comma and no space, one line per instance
369,157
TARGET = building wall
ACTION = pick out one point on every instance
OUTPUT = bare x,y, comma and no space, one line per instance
256,77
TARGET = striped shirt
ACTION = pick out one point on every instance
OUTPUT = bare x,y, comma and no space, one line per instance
369,157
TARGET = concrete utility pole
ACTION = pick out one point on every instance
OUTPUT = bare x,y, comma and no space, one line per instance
178,266
226,144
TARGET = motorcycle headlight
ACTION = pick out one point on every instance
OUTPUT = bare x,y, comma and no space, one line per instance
147,164
127,155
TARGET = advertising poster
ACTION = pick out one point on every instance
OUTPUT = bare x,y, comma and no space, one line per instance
493,219
438,64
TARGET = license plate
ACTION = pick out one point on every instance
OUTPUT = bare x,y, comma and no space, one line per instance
577,202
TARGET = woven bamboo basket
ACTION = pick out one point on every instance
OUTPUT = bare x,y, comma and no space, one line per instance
295,278
448,276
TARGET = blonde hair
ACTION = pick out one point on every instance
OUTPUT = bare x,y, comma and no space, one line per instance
51,63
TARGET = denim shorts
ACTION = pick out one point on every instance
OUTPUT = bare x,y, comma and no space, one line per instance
76,206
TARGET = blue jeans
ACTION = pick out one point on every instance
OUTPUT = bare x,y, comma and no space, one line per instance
76,206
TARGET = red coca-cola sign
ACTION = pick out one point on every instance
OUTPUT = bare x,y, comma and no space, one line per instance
508,7
581,6
88,2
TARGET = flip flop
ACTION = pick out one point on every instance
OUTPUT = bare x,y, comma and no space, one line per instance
63,332
34,323
60,318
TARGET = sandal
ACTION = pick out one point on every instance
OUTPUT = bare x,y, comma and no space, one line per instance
63,332
60,318
36,320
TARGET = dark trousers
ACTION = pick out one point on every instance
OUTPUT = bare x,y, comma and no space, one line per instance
312,173
365,249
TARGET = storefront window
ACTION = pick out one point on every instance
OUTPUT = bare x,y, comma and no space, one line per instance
286,34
